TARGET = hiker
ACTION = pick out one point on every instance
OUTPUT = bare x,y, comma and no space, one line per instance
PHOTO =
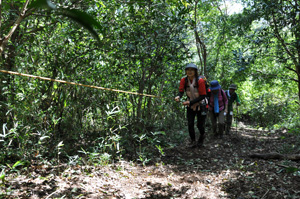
231,96
218,106
195,88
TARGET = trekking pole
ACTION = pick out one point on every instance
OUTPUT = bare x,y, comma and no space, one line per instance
237,112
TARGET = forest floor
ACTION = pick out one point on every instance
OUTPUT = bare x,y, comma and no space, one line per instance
222,168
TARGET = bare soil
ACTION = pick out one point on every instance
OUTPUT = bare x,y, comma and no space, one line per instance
221,169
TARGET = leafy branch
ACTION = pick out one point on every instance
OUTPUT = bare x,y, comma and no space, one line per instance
80,17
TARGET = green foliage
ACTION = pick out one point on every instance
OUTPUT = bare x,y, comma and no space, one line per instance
292,170
162,153
265,62
82,18
42,4
267,104
144,47
12,169
95,158
2,176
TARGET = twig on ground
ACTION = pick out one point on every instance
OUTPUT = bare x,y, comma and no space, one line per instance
265,194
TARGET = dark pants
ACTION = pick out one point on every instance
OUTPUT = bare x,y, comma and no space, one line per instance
228,123
218,122
200,123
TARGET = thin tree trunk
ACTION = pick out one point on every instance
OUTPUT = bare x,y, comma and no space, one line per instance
201,48
21,17
141,90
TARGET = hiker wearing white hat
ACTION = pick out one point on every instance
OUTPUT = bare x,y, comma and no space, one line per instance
232,97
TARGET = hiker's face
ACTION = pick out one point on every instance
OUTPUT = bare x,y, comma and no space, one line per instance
231,91
190,72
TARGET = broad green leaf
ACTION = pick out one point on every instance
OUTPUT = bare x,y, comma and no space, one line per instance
82,19
82,16
43,4
78,16
18,163
292,169
2,175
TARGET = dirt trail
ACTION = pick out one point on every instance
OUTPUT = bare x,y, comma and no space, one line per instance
221,169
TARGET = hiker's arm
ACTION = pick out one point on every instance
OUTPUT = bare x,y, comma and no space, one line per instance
181,90
226,108
198,99
179,96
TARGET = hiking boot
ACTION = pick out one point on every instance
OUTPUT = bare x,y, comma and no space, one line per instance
227,131
192,144
215,134
200,141
200,145
221,130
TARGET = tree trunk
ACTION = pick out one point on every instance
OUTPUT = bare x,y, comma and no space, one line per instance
141,90
298,74
201,47
8,63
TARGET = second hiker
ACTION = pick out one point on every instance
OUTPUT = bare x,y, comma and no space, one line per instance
218,106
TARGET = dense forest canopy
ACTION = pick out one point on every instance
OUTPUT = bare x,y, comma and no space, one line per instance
143,47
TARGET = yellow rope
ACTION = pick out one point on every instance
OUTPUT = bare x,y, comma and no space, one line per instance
73,83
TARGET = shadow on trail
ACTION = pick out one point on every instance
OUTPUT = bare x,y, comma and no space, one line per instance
223,168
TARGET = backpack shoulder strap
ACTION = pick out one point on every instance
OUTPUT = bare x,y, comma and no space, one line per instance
198,78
